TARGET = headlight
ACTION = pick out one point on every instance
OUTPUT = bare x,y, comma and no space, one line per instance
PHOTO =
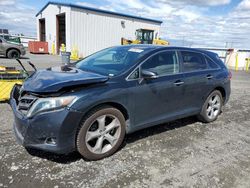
45,104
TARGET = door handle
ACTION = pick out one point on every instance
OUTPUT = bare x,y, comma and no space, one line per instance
178,83
209,77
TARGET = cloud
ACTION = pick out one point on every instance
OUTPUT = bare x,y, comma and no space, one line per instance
192,23
199,2
91,5
244,5
87,4
188,22
18,18
7,2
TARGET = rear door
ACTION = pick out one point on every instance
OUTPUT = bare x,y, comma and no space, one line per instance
197,79
161,98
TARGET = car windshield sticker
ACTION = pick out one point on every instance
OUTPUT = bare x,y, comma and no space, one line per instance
135,50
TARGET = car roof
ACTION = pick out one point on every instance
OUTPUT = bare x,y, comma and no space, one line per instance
162,47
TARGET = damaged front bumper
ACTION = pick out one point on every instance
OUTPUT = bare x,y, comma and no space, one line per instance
52,131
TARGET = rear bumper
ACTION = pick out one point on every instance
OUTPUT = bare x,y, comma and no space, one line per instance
37,132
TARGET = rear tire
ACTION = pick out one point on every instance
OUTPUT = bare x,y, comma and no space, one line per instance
13,54
101,133
212,107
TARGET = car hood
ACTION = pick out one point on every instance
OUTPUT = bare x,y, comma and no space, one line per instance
56,78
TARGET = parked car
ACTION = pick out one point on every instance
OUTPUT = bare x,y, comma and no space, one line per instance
119,90
10,38
11,49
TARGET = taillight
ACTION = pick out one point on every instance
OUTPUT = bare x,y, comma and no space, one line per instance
230,75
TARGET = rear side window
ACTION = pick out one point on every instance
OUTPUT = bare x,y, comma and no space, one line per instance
211,64
162,63
193,61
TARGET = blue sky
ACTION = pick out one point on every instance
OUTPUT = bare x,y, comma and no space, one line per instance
214,23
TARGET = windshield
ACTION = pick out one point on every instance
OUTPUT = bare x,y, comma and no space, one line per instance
112,61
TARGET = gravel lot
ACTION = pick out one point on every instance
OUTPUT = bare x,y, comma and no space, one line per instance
183,153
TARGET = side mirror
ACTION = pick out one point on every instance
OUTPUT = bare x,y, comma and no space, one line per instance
146,74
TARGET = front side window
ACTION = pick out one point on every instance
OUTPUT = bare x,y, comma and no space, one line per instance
193,61
163,63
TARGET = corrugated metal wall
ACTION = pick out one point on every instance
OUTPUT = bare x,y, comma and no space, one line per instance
91,31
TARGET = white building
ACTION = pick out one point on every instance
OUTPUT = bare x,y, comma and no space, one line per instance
87,29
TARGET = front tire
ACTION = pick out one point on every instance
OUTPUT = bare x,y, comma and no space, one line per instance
101,133
13,54
212,107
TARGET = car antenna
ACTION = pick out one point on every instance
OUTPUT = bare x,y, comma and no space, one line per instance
32,65
22,66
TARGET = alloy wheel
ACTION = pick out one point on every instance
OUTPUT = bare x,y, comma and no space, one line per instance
103,134
213,106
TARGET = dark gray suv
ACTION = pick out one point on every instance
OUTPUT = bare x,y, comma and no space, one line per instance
119,90
11,49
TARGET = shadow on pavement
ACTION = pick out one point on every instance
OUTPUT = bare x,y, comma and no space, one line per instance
160,129
58,158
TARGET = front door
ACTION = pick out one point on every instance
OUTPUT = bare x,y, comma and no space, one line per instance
161,98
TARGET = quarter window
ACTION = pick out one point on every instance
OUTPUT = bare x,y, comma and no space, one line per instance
193,61
211,64
134,75
162,63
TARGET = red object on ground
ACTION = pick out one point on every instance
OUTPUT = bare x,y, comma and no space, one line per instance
38,47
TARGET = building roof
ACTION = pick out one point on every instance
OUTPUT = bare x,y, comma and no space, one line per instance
97,10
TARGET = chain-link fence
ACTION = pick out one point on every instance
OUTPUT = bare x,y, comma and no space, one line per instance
9,76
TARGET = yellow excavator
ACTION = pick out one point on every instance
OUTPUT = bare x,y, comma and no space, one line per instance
145,36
